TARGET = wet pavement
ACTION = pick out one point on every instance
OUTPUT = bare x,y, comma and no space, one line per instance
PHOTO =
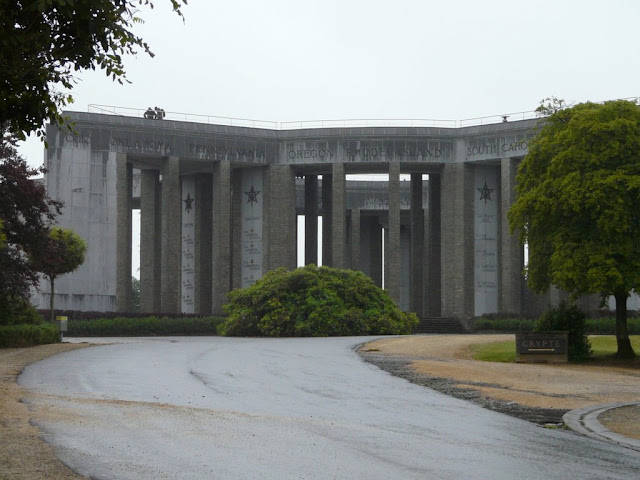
283,409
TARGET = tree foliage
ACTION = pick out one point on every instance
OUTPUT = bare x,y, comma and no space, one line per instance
26,213
578,204
63,253
45,43
314,301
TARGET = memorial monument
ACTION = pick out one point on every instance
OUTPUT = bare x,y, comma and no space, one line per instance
219,206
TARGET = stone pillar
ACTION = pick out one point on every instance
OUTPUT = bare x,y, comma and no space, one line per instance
376,251
282,220
355,240
150,244
417,246
511,251
339,216
405,269
311,219
236,227
327,214
433,277
457,241
392,274
203,258
221,236
171,237
124,185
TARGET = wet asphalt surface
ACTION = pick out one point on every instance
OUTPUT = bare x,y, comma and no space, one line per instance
225,408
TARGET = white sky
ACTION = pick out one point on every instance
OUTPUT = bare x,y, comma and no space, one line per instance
288,60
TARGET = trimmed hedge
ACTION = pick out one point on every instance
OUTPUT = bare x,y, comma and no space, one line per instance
148,326
593,326
314,302
18,336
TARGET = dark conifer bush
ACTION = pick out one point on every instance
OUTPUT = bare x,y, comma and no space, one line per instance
314,302
567,318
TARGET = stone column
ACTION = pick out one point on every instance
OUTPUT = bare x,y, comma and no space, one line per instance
457,241
355,240
150,245
392,274
311,219
417,246
281,221
327,222
339,217
221,236
124,185
203,258
376,251
236,227
511,251
171,236
433,277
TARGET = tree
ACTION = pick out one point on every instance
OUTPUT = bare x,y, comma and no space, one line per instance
63,253
43,43
3,237
578,205
26,213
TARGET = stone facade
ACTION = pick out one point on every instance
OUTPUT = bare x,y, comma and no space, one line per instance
237,191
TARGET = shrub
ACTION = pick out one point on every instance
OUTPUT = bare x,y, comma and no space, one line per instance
502,324
314,301
570,319
148,326
607,326
18,310
18,336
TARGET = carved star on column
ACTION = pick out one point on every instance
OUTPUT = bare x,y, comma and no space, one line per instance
188,202
253,195
485,192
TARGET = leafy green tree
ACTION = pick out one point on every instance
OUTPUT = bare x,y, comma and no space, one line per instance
135,294
63,253
26,213
44,43
578,205
3,237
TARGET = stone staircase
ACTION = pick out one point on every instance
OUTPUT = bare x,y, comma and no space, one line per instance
440,325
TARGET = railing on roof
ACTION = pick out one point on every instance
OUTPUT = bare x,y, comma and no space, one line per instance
306,124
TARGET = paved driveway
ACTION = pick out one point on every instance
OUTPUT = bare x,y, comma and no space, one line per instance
225,408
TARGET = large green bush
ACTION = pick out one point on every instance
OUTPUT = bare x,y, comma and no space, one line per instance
15,336
314,302
567,318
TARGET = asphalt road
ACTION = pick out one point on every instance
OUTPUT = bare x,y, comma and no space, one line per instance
225,408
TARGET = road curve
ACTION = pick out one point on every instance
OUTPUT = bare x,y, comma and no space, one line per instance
228,408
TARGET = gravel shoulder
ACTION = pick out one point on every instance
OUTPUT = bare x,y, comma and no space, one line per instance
24,455
539,393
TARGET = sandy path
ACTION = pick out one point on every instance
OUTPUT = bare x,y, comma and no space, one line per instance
23,454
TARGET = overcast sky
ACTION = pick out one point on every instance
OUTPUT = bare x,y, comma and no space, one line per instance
286,60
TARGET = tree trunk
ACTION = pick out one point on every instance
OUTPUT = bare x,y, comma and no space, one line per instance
622,334
51,301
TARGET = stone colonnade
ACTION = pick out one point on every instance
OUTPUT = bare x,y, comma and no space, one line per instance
207,231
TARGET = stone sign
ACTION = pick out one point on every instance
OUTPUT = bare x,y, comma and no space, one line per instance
548,347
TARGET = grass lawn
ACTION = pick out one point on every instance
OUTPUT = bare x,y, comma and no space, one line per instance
602,345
